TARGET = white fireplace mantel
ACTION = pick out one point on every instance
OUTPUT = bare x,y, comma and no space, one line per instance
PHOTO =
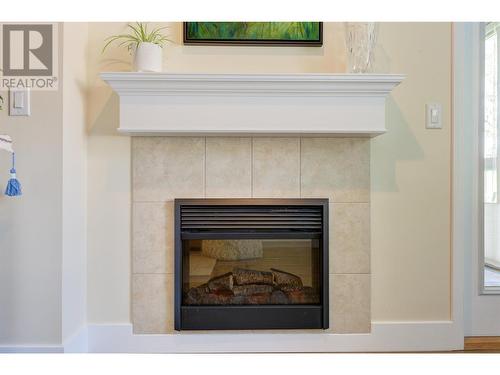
252,104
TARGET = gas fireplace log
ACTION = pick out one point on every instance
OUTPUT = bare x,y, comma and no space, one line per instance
244,277
195,295
306,295
218,298
220,283
288,288
249,289
258,299
278,298
202,296
286,278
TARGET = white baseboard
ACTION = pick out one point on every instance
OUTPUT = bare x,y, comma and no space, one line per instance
78,343
385,336
31,349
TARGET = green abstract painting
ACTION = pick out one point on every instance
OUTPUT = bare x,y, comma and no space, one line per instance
263,33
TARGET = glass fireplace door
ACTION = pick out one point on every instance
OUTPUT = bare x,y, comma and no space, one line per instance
251,272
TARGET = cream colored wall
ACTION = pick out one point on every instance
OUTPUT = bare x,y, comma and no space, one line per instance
108,191
31,225
43,233
410,168
74,195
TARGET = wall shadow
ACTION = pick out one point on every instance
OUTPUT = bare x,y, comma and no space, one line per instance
104,112
387,150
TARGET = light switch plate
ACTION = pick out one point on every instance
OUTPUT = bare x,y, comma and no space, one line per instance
19,102
433,116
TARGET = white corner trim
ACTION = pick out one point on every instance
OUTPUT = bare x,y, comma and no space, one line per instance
252,104
385,336
77,343
461,211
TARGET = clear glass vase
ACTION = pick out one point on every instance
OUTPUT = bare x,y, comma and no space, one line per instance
360,41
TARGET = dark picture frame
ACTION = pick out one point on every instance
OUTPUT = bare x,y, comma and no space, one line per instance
252,42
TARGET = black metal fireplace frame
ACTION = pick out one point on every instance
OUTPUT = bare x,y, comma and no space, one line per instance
246,316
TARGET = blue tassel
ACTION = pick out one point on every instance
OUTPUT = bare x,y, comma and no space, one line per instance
13,186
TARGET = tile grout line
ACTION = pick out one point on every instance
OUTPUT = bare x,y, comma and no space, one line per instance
251,166
131,224
300,167
205,169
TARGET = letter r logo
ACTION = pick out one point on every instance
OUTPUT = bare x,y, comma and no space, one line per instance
27,50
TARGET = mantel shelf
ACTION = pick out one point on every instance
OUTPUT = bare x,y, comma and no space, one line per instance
268,104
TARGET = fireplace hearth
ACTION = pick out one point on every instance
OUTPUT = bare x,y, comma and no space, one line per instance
251,264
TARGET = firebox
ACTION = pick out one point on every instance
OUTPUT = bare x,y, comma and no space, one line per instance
251,264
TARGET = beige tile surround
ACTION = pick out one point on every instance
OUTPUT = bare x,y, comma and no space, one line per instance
164,168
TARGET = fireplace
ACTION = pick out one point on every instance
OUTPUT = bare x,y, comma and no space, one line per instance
251,264
235,150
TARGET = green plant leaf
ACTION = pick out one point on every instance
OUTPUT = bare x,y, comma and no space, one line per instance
138,34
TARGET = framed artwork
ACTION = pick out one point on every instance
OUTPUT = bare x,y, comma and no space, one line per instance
254,33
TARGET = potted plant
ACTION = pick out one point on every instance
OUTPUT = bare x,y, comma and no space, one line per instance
146,46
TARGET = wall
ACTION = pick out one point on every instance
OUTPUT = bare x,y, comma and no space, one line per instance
108,189
108,253
74,231
410,166
411,183
31,225
43,232
410,179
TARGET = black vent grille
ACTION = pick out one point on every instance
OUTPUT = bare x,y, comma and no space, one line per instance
251,218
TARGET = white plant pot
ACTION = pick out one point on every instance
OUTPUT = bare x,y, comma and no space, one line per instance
148,58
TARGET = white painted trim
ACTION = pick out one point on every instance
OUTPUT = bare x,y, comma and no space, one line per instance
477,104
460,193
480,310
479,181
78,343
385,336
31,349
180,132
252,104
300,84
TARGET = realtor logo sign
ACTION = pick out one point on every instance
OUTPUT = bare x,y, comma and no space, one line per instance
29,56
